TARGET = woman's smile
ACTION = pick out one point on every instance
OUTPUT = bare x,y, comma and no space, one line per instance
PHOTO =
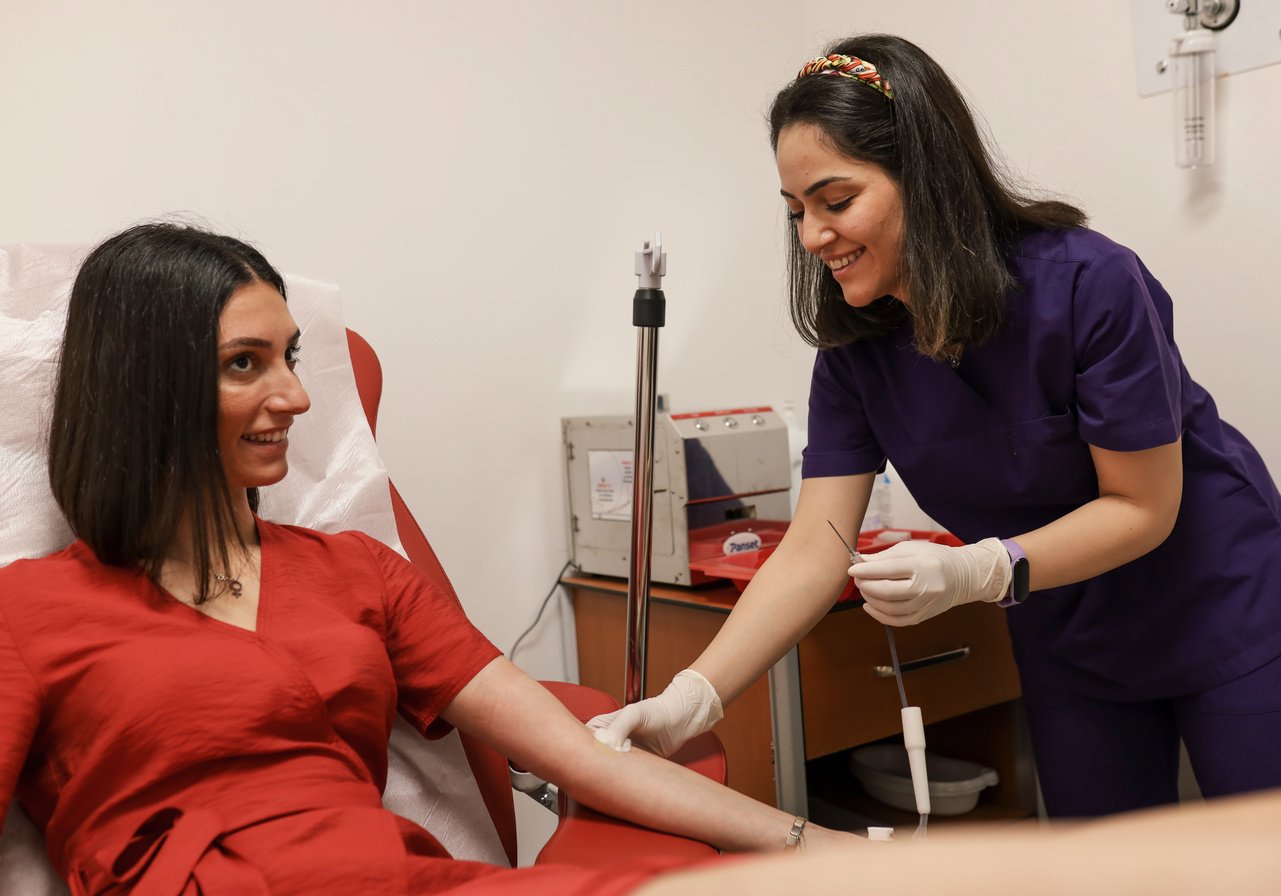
842,266
847,212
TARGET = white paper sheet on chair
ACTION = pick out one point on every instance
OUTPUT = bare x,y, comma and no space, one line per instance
336,481
34,284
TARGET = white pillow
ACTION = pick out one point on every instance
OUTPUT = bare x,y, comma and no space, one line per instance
35,282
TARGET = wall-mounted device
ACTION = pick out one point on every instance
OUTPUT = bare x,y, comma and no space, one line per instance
1209,40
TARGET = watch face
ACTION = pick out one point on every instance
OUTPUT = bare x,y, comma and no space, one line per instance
1021,575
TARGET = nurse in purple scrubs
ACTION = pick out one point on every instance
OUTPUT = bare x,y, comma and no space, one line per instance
1020,372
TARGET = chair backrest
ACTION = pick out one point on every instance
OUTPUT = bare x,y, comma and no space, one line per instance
488,766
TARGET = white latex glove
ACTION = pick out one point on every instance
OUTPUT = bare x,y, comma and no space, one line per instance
686,708
914,580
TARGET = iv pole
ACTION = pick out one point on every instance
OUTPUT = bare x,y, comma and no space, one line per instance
649,307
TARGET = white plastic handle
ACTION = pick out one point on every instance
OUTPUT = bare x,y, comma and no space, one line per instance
914,740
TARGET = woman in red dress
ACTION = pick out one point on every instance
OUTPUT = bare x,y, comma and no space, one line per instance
194,700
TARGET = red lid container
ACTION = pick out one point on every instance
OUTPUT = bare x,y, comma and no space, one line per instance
739,568
731,539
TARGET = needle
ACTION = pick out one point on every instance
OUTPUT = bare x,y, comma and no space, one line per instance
854,555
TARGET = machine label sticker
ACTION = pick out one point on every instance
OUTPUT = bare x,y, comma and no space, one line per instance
740,542
610,473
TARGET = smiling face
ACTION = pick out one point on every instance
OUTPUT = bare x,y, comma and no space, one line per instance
258,392
847,213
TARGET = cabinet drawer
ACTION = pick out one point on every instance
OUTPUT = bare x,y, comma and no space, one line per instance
848,701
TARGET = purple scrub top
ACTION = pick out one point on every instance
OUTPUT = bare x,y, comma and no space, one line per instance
999,446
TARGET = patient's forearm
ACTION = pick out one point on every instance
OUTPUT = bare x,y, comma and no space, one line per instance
657,793
517,716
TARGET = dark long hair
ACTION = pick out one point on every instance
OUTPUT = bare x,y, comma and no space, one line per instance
134,438
962,214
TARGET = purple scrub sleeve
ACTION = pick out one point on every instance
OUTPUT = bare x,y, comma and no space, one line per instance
1128,383
844,444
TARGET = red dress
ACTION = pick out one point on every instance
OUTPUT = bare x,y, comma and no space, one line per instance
166,752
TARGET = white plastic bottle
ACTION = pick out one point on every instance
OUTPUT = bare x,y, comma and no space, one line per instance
796,438
880,508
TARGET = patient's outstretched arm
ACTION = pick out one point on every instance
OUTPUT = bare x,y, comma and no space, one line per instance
511,712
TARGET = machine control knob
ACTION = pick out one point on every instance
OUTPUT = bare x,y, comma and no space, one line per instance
731,423
700,425
758,420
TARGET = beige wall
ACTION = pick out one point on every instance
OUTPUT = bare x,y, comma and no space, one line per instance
477,176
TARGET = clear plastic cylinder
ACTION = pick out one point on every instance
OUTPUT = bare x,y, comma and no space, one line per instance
1192,55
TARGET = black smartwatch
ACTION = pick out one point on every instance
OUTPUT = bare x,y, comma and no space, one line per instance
1019,575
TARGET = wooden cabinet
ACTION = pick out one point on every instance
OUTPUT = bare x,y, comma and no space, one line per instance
961,674
967,666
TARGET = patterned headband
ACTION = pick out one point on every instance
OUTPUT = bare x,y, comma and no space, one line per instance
849,67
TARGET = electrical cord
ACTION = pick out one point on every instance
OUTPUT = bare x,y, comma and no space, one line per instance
898,673
511,655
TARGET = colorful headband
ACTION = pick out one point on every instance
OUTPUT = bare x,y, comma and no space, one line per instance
849,67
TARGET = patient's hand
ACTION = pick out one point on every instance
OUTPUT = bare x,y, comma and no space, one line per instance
819,839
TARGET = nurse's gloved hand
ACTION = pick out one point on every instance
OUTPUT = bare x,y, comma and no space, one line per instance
686,708
914,580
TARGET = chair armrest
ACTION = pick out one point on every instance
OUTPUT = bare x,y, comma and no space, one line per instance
588,838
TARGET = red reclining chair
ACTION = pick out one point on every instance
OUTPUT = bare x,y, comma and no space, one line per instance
583,836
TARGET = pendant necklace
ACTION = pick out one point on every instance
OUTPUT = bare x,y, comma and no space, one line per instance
233,584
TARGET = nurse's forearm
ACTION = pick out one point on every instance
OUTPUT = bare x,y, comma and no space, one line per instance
786,598
1135,512
1102,535
795,587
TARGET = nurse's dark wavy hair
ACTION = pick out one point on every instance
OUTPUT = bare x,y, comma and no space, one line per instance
962,213
133,443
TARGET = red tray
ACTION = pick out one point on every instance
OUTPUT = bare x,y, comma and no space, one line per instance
739,568
708,544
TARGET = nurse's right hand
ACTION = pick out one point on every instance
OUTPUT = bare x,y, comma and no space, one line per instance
686,708
912,581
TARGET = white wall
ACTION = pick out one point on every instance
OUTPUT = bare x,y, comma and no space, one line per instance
477,176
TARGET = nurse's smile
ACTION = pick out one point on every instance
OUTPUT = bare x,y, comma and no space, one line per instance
840,267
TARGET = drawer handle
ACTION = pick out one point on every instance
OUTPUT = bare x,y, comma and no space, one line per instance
947,656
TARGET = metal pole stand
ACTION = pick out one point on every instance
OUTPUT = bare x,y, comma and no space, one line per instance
649,310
